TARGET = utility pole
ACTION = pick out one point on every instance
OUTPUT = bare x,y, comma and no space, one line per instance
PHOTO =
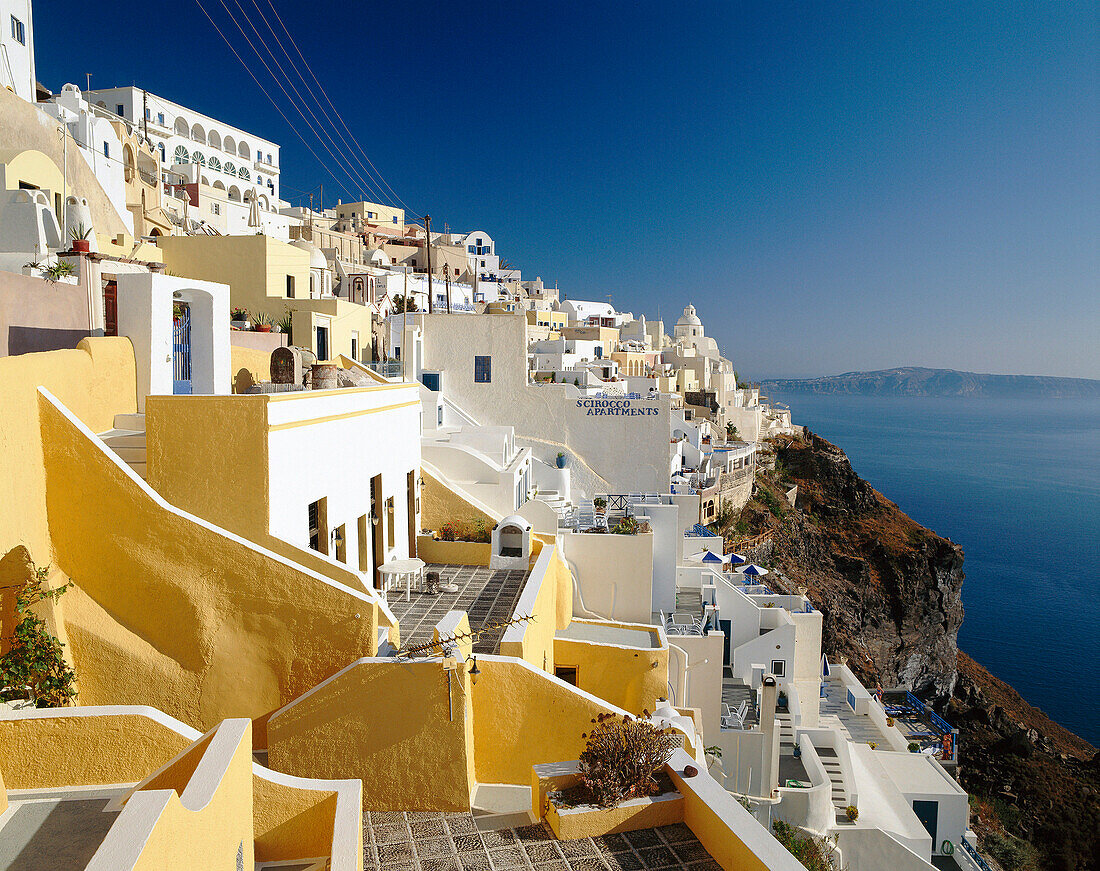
428,248
321,197
89,87
447,278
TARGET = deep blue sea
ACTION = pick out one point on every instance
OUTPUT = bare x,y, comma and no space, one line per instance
1017,484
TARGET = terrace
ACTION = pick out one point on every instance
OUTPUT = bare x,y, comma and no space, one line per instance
487,596
430,841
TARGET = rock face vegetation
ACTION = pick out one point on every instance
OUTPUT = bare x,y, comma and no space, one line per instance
891,594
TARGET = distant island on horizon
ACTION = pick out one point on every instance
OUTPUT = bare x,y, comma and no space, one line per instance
922,381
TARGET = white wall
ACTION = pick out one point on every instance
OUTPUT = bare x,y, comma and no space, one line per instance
17,59
614,572
301,444
627,448
145,304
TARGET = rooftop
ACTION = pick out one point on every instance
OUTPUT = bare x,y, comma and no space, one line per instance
487,596
602,633
399,841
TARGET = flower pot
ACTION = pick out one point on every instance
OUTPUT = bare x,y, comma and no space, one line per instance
263,328
559,461
82,245
240,325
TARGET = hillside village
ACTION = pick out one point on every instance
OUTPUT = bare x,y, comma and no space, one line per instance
348,532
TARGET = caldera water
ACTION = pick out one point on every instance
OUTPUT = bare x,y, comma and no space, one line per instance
1017,484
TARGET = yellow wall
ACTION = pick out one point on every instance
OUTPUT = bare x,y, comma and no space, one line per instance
341,317
622,676
440,504
249,366
525,717
33,168
389,724
458,553
178,615
289,822
221,825
255,268
553,611
96,381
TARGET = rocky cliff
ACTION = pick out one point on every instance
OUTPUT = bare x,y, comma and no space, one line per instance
890,590
920,381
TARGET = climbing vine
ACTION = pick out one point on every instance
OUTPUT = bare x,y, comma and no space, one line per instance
36,658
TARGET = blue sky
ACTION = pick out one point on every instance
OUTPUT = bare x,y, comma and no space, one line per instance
835,186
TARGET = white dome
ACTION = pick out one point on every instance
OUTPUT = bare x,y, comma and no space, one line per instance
316,258
689,319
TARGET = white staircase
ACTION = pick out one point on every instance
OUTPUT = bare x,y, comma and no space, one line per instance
786,733
831,764
127,439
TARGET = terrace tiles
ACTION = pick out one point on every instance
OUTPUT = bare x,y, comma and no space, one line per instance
487,596
391,842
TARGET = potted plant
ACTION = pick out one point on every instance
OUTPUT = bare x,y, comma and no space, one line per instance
560,460
600,504
852,813
263,323
618,785
239,319
81,238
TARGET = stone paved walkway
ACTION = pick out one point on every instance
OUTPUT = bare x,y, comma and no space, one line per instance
395,841
487,596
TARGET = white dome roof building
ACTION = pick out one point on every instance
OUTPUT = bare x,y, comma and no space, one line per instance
320,272
689,325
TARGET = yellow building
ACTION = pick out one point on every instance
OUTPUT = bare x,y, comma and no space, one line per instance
551,319
349,214
606,336
630,362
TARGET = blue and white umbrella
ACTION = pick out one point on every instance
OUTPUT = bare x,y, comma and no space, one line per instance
736,558
754,570
824,665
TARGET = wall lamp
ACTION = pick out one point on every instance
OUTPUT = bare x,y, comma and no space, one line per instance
474,670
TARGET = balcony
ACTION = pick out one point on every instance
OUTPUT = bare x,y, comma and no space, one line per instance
266,167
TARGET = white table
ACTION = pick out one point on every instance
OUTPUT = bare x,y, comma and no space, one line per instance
396,570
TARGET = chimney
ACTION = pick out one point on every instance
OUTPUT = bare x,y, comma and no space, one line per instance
769,728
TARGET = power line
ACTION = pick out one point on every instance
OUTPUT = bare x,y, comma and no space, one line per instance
346,164
265,93
334,110
373,191
244,33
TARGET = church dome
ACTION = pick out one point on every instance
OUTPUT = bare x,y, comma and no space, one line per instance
316,258
689,318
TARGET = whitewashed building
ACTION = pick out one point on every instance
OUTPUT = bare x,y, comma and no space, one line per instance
17,48
209,151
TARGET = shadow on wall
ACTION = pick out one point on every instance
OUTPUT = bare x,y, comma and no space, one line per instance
30,340
243,381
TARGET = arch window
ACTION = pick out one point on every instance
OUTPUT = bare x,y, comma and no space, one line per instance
213,139
181,155
229,167
214,164
244,151
181,127
198,134
234,193
198,157
205,180
243,172
160,148
218,185
229,144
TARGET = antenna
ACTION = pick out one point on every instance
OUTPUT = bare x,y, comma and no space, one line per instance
445,641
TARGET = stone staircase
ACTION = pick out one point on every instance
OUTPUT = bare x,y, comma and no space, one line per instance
839,795
786,733
734,692
689,601
127,440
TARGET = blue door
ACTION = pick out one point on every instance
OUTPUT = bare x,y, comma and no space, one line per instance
181,350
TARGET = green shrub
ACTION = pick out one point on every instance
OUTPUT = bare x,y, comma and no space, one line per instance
815,854
35,658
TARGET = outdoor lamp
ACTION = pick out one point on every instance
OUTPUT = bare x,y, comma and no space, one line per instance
474,671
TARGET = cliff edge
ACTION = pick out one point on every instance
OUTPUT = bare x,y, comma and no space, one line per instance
891,594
